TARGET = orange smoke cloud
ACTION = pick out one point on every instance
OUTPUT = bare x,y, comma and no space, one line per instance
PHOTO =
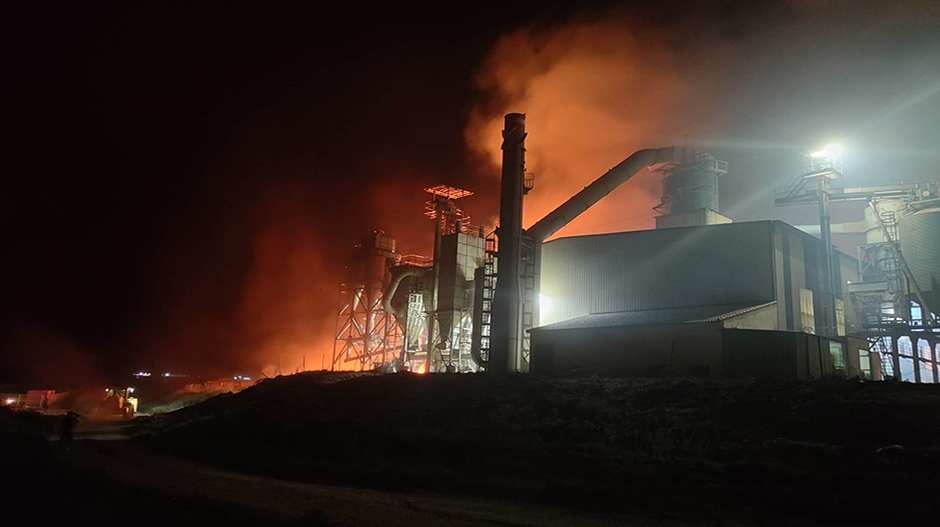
47,359
594,93
288,307
596,90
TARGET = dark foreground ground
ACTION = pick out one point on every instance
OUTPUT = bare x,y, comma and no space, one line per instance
599,450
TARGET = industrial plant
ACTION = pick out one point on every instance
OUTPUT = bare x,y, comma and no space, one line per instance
699,295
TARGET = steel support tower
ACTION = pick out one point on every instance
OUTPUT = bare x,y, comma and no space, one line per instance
884,297
367,337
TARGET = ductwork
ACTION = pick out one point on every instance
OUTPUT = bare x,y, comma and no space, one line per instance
591,194
398,274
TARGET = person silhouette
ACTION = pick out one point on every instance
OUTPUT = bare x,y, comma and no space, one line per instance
67,427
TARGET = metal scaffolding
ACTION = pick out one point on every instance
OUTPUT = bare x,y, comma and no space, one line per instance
450,313
367,337
887,298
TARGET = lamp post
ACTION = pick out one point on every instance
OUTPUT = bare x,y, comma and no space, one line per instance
824,166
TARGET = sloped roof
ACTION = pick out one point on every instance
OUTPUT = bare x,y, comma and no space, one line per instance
648,317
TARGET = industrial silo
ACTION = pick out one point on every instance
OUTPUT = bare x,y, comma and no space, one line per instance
919,234
890,210
693,184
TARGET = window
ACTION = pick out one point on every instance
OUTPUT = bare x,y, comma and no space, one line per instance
837,352
840,317
905,347
807,313
926,372
864,363
907,369
916,314
923,349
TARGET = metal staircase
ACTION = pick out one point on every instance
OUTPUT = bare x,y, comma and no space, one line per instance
489,289
528,299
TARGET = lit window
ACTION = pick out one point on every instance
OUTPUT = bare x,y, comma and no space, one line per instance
840,317
807,313
905,347
837,351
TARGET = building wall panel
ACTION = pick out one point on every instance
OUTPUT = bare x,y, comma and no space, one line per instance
717,264
639,351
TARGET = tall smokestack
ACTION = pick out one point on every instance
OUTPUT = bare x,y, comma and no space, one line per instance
506,339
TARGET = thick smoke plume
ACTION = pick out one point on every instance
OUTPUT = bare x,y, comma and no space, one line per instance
253,283
288,305
594,93
779,77
730,82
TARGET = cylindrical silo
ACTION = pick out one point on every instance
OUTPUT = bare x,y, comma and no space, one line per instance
690,188
920,246
873,232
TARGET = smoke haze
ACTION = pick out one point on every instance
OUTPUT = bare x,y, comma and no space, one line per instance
774,79
188,203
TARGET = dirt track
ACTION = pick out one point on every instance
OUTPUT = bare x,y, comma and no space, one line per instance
137,466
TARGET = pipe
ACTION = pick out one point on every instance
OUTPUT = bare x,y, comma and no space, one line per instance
398,274
591,194
825,233
851,227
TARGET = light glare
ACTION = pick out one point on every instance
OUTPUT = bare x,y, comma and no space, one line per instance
545,305
832,151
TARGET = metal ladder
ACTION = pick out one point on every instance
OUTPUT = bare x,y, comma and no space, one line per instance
528,303
489,290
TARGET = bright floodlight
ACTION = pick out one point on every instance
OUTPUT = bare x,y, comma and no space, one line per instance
832,151
545,305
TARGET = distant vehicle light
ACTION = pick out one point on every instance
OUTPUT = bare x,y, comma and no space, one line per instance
10,401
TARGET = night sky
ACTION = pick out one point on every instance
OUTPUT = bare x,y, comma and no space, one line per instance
187,182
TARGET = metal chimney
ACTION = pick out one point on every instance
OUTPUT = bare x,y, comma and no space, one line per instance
506,339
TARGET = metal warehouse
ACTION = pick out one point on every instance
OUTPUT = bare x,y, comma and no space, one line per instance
666,298
734,265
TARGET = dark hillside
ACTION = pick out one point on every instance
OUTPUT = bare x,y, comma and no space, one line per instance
844,451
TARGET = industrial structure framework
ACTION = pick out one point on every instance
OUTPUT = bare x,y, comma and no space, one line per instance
896,299
367,336
476,303
411,312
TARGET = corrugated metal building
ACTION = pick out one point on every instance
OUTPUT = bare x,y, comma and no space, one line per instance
662,342
638,293
744,264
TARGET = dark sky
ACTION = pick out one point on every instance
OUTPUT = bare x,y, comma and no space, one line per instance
184,183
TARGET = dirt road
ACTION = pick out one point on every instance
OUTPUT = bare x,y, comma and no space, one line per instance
136,466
